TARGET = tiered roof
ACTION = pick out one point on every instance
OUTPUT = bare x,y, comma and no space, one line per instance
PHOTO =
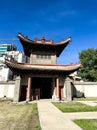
42,45
45,45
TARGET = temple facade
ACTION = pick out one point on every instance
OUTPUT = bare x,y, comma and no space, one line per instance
42,77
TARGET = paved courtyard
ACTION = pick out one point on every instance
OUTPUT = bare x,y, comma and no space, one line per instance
52,118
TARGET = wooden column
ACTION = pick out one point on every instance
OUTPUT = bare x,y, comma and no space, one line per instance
57,88
28,94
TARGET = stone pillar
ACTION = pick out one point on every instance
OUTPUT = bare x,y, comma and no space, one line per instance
68,89
17,89
28,95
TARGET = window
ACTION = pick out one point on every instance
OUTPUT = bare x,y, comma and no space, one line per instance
43,56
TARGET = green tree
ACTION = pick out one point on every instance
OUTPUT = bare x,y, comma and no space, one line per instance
88,59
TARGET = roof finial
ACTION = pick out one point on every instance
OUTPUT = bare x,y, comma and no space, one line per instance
43,39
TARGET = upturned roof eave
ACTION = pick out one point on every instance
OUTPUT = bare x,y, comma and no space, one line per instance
54,46
19,67
26,39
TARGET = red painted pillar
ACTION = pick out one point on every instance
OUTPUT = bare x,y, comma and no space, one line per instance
28,89
57,88
28,94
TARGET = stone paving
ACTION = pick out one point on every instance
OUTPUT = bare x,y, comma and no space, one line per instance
90,103
52,118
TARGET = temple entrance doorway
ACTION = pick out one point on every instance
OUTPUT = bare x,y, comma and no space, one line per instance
41,87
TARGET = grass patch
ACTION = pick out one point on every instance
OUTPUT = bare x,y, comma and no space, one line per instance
85,99
74,107
18,117
89,124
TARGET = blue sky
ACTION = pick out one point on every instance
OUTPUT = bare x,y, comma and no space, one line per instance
55,19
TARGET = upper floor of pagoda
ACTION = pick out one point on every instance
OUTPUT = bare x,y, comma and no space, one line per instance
42,45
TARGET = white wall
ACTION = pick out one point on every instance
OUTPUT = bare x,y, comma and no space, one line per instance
10,93
1,91
4,74
89,89
7,89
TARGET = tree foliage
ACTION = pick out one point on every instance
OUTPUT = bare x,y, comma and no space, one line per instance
88,59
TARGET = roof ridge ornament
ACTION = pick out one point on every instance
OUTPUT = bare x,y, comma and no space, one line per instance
43,39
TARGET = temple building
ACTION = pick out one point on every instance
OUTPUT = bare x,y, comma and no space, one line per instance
42,77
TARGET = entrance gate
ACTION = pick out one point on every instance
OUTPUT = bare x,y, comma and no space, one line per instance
42,88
